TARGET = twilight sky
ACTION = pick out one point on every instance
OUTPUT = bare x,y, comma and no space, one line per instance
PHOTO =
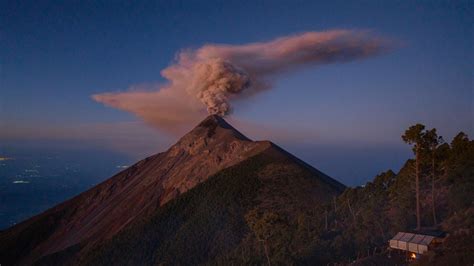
345,118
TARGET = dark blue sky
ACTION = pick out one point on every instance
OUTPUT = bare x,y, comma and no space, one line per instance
345,119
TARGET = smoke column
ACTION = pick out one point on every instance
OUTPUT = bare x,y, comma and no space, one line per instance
212,76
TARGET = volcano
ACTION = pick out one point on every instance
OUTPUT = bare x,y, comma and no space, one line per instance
207,199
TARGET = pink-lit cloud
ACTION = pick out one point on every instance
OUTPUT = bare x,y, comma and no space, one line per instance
214,75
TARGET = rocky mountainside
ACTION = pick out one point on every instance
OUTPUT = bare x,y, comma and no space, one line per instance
205,194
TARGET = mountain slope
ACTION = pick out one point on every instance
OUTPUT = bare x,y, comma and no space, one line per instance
149,198
211,222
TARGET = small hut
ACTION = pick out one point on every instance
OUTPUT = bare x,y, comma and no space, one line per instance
416,243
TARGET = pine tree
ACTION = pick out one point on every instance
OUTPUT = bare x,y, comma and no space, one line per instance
414,136
432,141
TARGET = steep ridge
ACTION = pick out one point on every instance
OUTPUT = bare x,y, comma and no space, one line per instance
94,217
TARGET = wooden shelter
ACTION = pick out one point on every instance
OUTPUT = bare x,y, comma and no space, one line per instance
417,243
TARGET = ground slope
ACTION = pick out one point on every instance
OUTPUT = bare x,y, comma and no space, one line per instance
212,222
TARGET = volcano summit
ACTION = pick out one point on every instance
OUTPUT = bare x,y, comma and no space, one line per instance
210,198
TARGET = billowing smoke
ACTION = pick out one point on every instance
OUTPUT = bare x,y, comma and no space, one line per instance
212,82
214,75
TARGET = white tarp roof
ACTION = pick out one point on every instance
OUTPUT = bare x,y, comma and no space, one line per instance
413,242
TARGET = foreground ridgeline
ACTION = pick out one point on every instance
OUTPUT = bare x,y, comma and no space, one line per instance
431,195
216,197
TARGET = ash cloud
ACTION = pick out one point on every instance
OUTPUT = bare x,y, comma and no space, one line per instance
214,75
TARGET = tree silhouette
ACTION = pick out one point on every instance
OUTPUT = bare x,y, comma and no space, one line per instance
414,135
264,226
432,141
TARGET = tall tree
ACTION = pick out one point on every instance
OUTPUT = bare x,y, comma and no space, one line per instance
414,136
266,226
432,141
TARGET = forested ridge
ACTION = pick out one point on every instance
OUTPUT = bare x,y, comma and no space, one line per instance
364,218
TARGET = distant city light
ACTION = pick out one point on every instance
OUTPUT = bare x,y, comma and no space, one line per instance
20,182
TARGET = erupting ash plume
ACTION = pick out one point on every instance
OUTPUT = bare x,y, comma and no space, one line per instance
212,81
214,75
